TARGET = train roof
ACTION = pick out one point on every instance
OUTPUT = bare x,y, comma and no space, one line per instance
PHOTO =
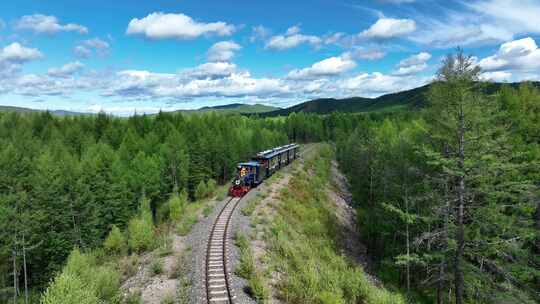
275,151
249,164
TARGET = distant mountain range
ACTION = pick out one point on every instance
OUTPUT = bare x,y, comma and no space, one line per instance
410,99
404,100
27,110
233,108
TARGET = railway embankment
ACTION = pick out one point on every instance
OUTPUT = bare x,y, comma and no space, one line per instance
302,243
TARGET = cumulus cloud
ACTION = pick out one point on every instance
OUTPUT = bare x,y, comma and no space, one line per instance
386,28
522,54
497,76
376,84
144,84
86,47
413,64
43,24
66,70
222,51
292,38
211,70
328,67
178,26
16,53
519,59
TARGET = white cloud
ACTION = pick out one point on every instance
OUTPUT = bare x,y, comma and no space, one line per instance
413,64
368,54
328,67
376,84
259,32
144,84
386,28
479,22
86,47
179,26
522,54
222,51
43,24
16,53
497,76
66,70
519,16
211,70
292,38
81,51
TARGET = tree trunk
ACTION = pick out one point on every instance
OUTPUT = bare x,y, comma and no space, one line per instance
408,245
14,276
460,234
25,274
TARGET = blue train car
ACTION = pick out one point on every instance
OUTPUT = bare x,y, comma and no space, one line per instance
263,165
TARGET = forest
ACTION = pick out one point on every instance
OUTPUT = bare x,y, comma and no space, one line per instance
448,200
447,196
65,181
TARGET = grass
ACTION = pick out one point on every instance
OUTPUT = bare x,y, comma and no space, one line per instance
302,244
257,285
250,207
133,298
156,267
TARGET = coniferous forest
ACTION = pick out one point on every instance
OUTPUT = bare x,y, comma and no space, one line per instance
447,195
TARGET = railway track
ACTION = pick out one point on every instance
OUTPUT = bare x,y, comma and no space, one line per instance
218,272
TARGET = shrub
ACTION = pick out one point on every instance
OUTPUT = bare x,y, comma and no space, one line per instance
82,281
141,234
258,287
156,267
211,186
145,212
133,298
79,264
115,242
106,282
177,204
201,191
187,222
246,267
68,288
208,210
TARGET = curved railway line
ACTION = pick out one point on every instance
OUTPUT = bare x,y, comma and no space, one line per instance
218,272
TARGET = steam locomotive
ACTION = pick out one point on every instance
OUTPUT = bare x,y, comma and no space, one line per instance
250,174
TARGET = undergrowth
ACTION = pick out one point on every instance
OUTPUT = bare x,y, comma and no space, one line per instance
303,247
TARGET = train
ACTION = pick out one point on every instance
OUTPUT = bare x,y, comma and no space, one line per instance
252,173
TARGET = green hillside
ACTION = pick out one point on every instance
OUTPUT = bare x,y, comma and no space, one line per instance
234,108
410,99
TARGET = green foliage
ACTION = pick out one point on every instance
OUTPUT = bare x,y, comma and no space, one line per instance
141,235
115,242
211,187
83,280
177,204
250,207
68,288
405,174
133,298
156,267
141,229
303,244
201,191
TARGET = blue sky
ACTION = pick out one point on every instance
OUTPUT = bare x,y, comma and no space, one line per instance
120,57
